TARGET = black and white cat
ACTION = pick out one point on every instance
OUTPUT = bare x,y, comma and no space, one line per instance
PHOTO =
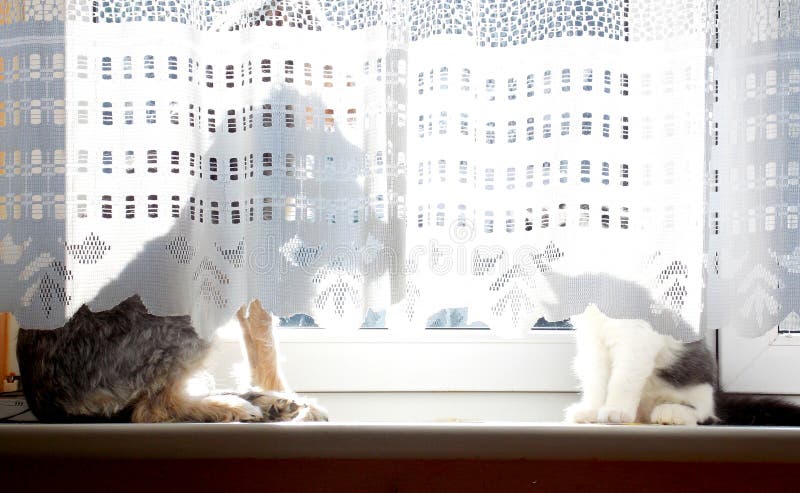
631,374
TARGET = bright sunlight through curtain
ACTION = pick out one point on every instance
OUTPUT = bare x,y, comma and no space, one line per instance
396,164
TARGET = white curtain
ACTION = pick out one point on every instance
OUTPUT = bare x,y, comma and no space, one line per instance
569,138
400,163
754,208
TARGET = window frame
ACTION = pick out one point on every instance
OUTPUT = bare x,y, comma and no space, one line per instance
449,360
759,365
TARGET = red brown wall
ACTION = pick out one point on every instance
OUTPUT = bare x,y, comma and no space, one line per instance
379,476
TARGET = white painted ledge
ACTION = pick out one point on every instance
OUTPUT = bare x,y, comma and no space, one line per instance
509,441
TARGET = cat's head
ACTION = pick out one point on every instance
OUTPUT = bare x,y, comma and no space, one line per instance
591,316
130,306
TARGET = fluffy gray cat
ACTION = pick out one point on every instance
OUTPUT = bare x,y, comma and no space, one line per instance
125,364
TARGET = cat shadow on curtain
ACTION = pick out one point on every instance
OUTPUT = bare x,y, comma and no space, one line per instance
617,298
125,364
312,239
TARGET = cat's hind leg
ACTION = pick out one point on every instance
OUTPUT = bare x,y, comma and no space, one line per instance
686,406
673,414
172,405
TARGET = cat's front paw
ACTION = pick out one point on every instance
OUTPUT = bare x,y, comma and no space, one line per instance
673,414
614,415
314,412
580,413
279,406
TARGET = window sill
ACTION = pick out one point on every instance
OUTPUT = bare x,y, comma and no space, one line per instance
496,441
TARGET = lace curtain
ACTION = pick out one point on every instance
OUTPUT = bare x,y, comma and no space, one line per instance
754,242
400,164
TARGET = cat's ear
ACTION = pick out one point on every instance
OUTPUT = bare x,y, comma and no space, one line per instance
80,316
133,304
83,312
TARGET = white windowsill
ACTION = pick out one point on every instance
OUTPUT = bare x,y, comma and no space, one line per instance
445,407
509,441
396,400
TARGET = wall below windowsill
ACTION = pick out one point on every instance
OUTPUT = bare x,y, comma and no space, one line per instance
486,441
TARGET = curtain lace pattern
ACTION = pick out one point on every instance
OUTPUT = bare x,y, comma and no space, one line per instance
377,163
754,198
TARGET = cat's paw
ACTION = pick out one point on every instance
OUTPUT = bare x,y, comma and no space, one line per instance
580,413
248,412
614,415
230,408
314,412
673,414
280,406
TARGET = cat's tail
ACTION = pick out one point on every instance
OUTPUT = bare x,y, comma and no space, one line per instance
751,410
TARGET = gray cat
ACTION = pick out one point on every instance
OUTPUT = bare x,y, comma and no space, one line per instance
125,364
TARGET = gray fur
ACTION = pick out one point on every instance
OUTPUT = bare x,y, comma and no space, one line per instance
100,364
694,366
110,365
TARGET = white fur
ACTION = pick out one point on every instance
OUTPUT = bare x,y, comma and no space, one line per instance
616,363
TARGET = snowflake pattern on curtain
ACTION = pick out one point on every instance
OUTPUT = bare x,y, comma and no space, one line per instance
754,282
556,157
352,161
33,267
